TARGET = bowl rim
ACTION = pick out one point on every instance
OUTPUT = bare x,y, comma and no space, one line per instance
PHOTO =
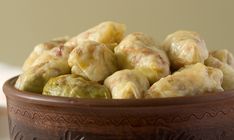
12,93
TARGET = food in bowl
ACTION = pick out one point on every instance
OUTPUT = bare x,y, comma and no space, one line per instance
191,80
104,63
75,89
224,56
228,71
127,84
92,60
185,48
139,51
71,85
109,33
50,48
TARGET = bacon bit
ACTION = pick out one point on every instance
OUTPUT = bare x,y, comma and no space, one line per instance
59,51
161,59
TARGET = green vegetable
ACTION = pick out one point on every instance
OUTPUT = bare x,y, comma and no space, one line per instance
35,78
75,86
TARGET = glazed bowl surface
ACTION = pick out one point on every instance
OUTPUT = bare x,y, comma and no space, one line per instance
36,117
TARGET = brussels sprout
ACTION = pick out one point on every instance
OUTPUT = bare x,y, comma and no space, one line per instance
138,51
228,71
110,33
196,79
34,78
75,86
224,56
47,60
185,48
127,84
54,46
92,60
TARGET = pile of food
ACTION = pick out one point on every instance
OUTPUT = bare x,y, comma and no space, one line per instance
104,63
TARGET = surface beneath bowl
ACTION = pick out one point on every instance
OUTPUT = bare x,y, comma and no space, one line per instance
4,133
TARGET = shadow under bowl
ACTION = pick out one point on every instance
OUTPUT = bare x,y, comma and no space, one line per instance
36,117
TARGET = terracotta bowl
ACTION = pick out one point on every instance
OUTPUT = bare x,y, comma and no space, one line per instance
37,117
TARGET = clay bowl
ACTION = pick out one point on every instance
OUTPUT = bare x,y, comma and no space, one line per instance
37,117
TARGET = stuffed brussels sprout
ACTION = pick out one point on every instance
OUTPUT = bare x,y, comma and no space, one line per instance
138,51
92,60
224,56
228,71
109,33
185,48
196,79
34,78
126,84
48,60
71,85
102,63
53,47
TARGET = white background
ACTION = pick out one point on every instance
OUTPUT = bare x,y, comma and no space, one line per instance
6,72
